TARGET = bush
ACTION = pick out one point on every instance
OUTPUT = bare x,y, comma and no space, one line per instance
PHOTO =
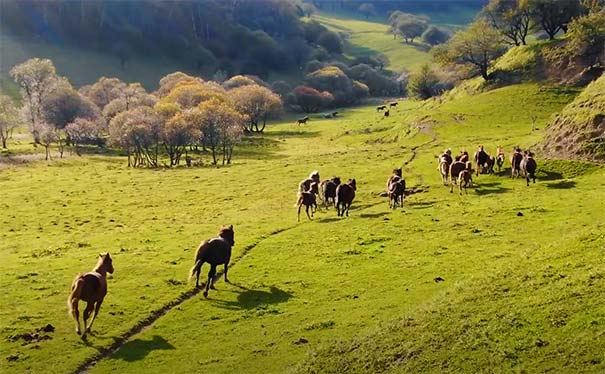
377,83
331,41
423,84
311,100
335,81
313,65
434,36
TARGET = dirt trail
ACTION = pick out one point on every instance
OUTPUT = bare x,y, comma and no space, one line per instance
163,310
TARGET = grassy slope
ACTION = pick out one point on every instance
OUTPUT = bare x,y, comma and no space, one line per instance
367,38
321,280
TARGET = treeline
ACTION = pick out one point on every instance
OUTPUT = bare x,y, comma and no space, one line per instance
505,23
382,7
231,37
185,114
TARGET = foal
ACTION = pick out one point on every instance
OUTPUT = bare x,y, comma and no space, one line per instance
92,288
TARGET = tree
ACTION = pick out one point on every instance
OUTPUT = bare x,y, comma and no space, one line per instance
47,135
311,100
9,119
168,82
37,78
586,37
257,103
137,132
335,81
478,46
238,81
85,131
331,41
178,132
103,91
64,105
435,36
554,15
510,17
188,94
132,96
309,9
367,10
378,84
422,85
222,127
411,28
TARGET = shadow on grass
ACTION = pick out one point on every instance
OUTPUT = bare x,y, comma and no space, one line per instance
486,189
329,219
373,215
547,175
292,134
138,349
421,204
562,185
251,299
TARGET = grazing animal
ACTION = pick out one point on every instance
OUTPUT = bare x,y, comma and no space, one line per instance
92,288
396,191
465,179
515,163
393,104
215,251
483,161
455,170
309,200
387,113
328,191
302,121
528,167
345,193
381,108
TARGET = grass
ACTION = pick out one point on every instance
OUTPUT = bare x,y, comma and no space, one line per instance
356,294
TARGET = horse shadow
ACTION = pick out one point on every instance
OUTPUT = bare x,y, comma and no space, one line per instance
328,220
562,185
250,299
490,188
138,349
373,215
421,204
546,175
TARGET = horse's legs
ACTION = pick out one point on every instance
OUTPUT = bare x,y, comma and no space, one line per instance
75,313
209,284
197,277
97,307
89,308
299,206
226,269
307,211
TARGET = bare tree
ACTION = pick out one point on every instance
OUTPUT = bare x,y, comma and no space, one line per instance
9,119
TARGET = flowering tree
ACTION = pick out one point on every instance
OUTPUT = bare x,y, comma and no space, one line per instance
9,119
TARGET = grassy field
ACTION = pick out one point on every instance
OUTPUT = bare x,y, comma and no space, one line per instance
357,294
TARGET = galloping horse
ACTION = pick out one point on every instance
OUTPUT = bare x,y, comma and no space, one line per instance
396,191
515,163
345,193
328,190
499,158
483,161
302,121
92,288
305,185
309,200
528,166
397,174
455,169
445,161
465,179
215,251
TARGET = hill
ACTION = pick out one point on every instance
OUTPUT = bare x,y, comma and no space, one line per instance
578,132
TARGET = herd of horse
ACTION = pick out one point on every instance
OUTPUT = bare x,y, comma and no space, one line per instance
458,170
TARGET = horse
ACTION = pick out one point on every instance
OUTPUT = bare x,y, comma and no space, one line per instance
463,157
328,190
381,108
500,160
528,167
397,173
387,113
327,115
302,121
393,104
334,114
92,288
445,161
345,193
515,163
215,251
305,184
484,162
396,191
455,170
465,179
309,200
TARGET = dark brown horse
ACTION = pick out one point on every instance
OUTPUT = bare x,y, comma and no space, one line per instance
397,174
381,108
455,170
515,163
465,179
309,200
305,185
302,121
328,191
528,167
396,191
483,161
215,251
345,193
92,288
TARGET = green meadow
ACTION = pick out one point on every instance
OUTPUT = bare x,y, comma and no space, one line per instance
506,278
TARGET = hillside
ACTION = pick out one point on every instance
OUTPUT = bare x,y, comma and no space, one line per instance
578,132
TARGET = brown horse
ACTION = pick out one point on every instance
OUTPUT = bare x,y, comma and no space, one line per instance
465,179
397,174
328,191
515,163
215,251
305,184
528,166
92,288
302,121
309,200
396,191
455,170
345,193
483,161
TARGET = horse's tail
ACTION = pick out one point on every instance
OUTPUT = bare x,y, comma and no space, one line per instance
299,199
197,267
76,291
